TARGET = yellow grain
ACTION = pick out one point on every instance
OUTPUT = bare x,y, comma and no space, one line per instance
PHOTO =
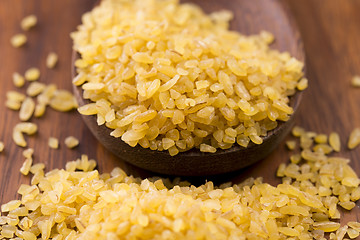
28,22
355,81
18,80
32,74
18,40
27,109
53,143
354,139
164,63
334,141
25,168
2,147
71,142
51,60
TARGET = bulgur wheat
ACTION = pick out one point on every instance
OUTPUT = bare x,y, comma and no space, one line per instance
32,74
21,128
18,80
27,109
28,22
71,142
179,68
35,88
25,168
355,81
53,143
79,203
354,139
334,141
51,60
18,40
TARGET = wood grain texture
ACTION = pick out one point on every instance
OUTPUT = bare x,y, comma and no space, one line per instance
330,33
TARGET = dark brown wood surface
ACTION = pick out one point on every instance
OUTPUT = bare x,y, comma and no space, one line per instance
331,36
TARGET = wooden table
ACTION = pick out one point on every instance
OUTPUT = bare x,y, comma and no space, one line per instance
331,35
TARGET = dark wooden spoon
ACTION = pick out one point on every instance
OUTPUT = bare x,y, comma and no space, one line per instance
250,18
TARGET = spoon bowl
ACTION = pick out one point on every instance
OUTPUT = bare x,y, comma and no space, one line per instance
251,17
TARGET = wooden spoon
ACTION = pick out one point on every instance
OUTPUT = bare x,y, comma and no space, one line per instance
250,18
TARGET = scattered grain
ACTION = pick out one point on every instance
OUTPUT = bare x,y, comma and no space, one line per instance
14,100
19,129
35,88
291,145
352,233
53,143
32,74
28,22
63,101
13,105
18,138
40,109
7,207
355,81
18,80
354,139
28,153
321,138
334,141
303,205
302,84
18,40
51,60
70,204
16,96
27,109
71,142
25,168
